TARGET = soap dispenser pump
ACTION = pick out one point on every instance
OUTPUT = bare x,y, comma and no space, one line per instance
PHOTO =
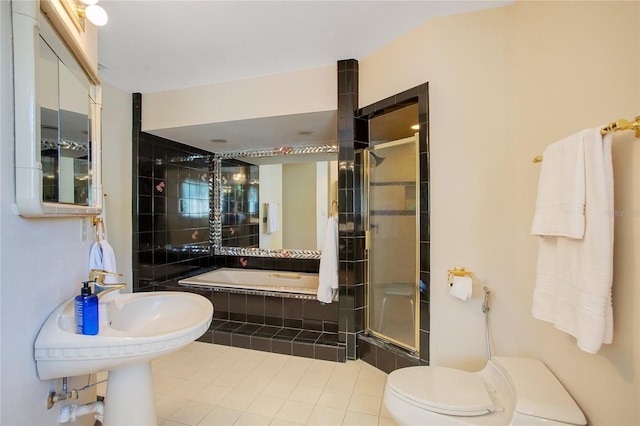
86,311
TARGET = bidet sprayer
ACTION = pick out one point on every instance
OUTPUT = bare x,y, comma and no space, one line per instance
485,304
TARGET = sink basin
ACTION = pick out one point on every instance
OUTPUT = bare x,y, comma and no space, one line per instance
134,329
138,327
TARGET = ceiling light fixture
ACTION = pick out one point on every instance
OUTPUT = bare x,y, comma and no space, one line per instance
219,140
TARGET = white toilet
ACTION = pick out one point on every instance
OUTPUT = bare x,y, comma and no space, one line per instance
508,391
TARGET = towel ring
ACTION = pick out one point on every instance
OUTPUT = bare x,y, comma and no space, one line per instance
95,221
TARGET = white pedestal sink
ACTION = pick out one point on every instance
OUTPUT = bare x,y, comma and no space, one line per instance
135,328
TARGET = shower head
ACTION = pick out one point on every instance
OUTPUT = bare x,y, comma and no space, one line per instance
378,160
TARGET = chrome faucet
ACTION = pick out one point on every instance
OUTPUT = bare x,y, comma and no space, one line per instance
96,277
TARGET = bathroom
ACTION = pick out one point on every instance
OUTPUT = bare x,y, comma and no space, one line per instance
501,88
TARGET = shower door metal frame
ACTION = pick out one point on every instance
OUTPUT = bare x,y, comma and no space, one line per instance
416,305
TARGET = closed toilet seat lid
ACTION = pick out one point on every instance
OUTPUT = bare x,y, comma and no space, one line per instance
442,390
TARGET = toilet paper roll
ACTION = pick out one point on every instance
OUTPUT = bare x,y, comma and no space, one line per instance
461,288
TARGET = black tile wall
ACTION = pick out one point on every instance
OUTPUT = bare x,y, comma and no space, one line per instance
171,204
350,213
171,208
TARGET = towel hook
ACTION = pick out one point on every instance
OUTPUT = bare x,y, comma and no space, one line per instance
95,221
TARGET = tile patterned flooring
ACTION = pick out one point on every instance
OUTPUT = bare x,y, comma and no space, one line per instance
206,384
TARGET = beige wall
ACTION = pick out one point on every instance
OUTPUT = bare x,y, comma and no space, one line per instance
295,92
503,84
117,176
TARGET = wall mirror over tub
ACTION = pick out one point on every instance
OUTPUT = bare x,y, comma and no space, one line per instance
57,110
273,202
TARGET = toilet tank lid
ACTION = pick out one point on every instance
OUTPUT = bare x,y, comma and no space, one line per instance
538,392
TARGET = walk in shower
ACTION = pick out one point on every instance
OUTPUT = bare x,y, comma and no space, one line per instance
392,239
393,230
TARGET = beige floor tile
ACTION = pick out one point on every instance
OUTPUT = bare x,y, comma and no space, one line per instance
279,422
248,419
205,375
295,411
191,413
306,393
373,387
314,378
229,379
180,370
164,384
276,361
365,404
251,383
210,385
322,366
237,400
279,388
384,412
343,383
223,362
220,416
243,367
211,394
326,416
358,419
334,399
386,421
167,405
162,422
267,406
186,389
368,371
257,356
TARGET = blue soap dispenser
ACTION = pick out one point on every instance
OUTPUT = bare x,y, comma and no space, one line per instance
86,307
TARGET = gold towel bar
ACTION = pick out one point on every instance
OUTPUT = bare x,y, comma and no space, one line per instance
616,126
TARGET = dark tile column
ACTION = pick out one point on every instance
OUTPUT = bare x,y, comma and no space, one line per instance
351,318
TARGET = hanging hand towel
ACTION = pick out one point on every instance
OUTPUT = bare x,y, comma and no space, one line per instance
328,276
95,257
108,262
272,218
574,276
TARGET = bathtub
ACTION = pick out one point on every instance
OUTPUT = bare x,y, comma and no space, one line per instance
255,281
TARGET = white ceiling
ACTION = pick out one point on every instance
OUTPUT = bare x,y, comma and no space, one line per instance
156,45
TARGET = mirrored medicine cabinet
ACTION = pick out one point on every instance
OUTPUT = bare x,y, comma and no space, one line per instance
57,98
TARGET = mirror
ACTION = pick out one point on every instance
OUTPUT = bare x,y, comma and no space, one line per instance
273,202
57,122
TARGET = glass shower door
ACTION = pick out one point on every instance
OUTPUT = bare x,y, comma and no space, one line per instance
392,242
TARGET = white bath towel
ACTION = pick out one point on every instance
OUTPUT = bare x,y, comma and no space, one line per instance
561,190
328,274
273,221
574,276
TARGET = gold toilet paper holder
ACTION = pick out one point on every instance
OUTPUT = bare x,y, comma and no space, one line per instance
457,271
